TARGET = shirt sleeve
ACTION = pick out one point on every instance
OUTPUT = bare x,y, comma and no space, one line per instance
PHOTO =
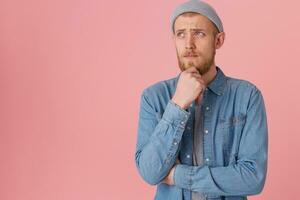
158,139
244,177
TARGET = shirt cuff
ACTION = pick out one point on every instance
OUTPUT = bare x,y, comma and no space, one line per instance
182,176
175,114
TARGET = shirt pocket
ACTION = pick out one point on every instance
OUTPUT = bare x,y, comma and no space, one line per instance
228,133
232,121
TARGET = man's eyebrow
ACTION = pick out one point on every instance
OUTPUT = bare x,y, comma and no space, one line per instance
192,29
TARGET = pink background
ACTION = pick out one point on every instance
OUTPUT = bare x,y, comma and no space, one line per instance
71,77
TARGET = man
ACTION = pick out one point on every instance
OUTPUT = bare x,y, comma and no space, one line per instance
202,134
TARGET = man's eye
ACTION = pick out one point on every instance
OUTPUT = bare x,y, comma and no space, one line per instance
199,34
180,34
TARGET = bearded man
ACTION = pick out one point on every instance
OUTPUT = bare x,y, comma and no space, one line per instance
202,134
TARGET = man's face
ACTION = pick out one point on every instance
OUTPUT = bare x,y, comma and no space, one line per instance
194,37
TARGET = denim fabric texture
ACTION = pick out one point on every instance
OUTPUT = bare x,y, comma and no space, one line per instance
235,141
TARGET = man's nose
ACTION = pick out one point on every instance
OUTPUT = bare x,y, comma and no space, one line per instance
189,42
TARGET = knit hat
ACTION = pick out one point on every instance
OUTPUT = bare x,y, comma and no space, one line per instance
200,7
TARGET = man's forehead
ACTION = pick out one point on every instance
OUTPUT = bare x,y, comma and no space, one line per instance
190,29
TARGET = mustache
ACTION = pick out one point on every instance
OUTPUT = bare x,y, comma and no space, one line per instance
190,54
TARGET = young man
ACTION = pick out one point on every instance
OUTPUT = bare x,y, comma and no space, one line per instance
202,134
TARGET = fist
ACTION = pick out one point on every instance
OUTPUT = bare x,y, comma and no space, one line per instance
190,87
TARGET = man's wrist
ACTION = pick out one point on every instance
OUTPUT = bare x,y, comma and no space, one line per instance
180,105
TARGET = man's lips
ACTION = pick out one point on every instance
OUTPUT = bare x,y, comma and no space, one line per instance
190,56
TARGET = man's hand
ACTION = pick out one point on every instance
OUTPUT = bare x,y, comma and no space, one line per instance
190,87
169,178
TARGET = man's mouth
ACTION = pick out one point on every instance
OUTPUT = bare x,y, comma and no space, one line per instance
190,55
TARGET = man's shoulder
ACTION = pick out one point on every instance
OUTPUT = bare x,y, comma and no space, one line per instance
241,85
160,87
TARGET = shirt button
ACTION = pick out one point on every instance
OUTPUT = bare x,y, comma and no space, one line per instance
175,143
207,108
188,156
206,131
207,159
182,122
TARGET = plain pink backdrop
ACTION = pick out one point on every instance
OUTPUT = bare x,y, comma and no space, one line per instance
71,77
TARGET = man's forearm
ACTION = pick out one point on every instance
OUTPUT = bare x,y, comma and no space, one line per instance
238,179
156,157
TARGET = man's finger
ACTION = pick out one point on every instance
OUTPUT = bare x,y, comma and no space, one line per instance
192,70
201,81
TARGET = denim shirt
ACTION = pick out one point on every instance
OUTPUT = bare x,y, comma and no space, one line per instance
235,141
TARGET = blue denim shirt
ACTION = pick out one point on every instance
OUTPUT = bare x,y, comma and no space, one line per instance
235,143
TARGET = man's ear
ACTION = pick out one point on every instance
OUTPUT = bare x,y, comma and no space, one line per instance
220,37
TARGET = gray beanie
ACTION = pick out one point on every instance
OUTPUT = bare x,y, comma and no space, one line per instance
200,7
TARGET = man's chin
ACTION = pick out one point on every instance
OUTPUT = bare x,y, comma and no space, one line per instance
201,69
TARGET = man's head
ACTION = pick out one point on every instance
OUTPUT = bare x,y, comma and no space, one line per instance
197,33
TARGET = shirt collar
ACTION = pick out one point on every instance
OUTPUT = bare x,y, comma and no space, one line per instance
217,85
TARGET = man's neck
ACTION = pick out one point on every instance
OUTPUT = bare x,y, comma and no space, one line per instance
209,76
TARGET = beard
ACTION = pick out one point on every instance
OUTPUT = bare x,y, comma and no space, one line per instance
203,67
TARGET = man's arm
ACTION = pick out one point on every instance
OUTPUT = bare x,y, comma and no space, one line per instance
158,140
244,177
